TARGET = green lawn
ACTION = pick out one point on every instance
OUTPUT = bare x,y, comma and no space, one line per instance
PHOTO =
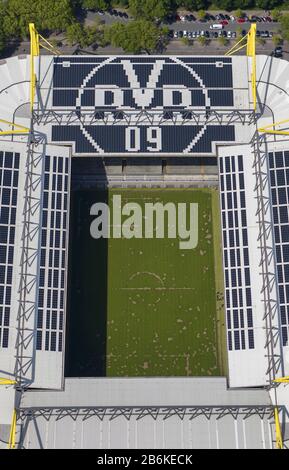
144,307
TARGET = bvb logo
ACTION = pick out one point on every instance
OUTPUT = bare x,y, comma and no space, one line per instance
140,99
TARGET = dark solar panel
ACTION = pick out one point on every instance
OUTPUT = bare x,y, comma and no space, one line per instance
237,275
54,232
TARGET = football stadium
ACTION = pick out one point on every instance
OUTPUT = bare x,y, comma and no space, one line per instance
129,341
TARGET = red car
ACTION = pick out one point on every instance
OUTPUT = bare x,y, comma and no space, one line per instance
241,20
224,22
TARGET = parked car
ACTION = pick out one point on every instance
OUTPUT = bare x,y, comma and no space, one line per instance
229,34
222,16
234,34
232,18
185,33
216,34
240,20
224,22
176,34
271,34
278,52
181,34
216,26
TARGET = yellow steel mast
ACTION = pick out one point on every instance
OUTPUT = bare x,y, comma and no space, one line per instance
249,41
36,41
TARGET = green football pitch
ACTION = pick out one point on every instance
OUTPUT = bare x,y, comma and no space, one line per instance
145,307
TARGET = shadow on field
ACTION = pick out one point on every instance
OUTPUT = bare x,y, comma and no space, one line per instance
87,285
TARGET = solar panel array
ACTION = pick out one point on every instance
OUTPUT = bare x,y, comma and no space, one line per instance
53,254
9,172
118,89
236,254
279,184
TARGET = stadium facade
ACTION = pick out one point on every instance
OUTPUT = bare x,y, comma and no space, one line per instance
159,107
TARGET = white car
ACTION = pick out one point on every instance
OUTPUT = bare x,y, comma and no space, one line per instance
232,18
185,33
202,33
176,35
183,18
229,34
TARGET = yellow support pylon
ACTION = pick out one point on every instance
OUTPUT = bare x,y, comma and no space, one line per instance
249,41
18,129
34,52
270,128
279,440
4,381
284,380
12,436
35,44
251,52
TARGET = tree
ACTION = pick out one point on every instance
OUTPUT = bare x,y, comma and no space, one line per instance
75,34
277,40
2,41
267,4
186,41
239,31
223,41
261,41
202,14
202,40
149,9
45,14
96,4
121,3
133,37
225,4
285,26
276,14
239,13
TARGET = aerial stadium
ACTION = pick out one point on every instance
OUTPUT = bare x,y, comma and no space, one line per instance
134,343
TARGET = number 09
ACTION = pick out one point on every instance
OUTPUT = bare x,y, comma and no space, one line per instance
153,137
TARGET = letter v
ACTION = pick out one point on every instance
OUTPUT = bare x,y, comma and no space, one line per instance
143,97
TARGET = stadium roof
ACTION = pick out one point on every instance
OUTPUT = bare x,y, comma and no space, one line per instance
150,413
